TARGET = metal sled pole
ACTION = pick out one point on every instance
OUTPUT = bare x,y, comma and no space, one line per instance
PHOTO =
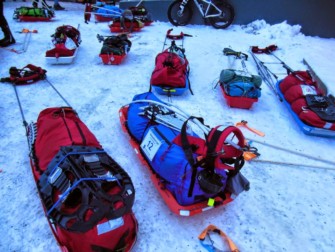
292,152
291,164
265,74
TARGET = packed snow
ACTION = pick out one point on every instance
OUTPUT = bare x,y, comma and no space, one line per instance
288,208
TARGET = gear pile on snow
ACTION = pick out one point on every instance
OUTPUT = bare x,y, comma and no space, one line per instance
33,14
26,75
307,100
87,196
170,75
240,88
114,48
66,41
191,172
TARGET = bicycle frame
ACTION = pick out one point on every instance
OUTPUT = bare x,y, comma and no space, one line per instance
204,11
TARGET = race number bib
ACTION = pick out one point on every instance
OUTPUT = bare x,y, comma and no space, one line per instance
150,145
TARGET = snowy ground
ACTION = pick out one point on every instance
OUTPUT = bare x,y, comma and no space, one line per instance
288,208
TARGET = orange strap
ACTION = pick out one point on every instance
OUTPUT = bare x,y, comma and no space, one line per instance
244,124
214,229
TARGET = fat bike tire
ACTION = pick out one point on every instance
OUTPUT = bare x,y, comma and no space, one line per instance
176,17
225,19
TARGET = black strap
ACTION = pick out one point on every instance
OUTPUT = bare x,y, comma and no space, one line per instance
187,148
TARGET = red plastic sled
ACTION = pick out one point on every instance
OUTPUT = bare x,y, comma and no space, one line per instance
169,199
111,59
34,19
238,102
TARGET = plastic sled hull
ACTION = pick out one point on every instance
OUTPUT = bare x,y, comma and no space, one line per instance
306,129
171,91
102,18
121,29
238,101
111,59
62,60
166,195
34,19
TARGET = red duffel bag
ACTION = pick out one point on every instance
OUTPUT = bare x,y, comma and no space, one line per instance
86,195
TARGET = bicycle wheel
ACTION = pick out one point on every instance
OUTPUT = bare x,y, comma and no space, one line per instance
225,19
178,18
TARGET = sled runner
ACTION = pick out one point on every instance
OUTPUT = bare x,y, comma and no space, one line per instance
193,167
65,41
240,88
32,14
171,73
114,48
306,101
87,197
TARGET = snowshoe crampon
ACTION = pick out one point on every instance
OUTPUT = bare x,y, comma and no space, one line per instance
65,41
86,195
190,175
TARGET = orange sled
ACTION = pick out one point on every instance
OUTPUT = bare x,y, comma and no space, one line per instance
167,196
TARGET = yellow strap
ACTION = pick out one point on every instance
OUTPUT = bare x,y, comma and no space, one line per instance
212,228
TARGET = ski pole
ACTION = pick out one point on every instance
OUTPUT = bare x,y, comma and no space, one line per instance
139,3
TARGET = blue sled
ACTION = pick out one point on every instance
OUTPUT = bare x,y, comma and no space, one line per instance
307,129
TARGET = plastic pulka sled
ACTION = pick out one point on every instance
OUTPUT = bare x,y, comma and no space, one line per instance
194,168
304,98
126,22
114,48
240,88
171,73
65,41
32,14
105,12
87,197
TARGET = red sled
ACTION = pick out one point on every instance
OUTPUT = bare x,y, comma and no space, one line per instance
238,101
127,26
111,59
87,197
101,18
32,14
167,196
34,19
66,41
